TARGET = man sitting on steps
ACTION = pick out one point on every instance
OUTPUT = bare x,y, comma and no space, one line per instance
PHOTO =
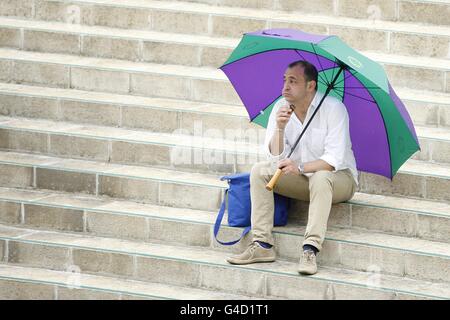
321,170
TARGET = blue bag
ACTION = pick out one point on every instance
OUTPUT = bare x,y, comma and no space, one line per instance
239,206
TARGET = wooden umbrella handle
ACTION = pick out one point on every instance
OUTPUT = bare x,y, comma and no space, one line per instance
274,180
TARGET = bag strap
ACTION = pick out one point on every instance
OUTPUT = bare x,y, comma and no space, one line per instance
219,222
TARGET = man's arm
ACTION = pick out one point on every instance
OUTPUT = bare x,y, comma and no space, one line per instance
317,165
275,136
288,166
276,146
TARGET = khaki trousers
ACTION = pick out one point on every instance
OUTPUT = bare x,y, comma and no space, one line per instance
322,189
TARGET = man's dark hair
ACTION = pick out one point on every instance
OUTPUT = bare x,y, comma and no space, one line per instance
309,70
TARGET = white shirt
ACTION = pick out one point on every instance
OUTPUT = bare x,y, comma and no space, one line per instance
326,138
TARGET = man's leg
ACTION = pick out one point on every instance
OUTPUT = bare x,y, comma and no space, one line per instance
296,187
262,211
326,188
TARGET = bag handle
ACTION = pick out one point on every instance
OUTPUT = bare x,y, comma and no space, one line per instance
219,222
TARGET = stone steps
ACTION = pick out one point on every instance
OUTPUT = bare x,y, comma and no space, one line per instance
25,283
174,151
117,110
403,71
56,211
138,45
60,211
115,43
116,145
198,268
415,179
193,18
146,184
82,185
116,76
435,141
125,77
134,112
433,12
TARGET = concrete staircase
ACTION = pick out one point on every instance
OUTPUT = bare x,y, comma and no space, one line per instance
100,100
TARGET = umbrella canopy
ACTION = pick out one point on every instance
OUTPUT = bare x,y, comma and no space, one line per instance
382,133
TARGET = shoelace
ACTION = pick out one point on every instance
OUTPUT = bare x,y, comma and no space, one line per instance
253,247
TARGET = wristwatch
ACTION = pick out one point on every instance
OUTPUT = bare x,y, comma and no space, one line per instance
301,168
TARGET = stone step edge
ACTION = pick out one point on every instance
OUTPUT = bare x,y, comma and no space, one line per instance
78,95
413,1
207,109
267,269
175,140
205,73
277,16
179,140
107,287
152,103
132,69
54,163
41,196
211,220
216,42
128,293
62,284
116,33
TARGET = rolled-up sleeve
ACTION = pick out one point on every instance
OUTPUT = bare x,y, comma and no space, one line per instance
271,127
338,137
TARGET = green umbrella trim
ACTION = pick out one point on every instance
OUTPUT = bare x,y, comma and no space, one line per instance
251,45
402,144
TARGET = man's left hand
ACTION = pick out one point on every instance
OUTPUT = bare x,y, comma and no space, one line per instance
289,166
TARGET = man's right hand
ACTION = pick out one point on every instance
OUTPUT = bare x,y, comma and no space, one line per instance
283,116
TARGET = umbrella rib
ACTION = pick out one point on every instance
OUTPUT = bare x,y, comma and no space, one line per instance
320,63
354,95
340,93
345,78
345,92
323,80
334,68
378,88
263,110
331,68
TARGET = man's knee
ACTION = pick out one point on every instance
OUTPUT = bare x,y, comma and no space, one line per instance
321,180
261,169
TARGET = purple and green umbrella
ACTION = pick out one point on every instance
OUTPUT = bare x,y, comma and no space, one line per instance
382,133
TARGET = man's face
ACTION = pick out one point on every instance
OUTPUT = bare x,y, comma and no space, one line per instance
295,87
